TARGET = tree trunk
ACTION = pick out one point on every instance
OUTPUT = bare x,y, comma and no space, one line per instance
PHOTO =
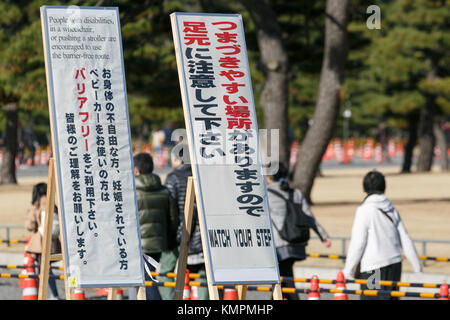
328,101
426,141
426,121
442,144
274,97
8,171
411,143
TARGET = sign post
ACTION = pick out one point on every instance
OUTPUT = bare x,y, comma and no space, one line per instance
46,258
91,144
228,178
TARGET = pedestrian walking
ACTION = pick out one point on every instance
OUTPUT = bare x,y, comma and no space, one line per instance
176,182
35,224
378,238
288,253
158,216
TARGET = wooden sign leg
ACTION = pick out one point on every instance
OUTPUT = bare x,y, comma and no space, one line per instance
185,238
46,256
242,292
47,237
141,295
62,256
212,290
112,294
276,289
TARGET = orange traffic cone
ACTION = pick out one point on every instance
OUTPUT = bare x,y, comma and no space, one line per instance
345,156
443,292
30,290
368,149
194,293
17,162
340,285
230,294
328,153
119,294
294,153
338,149
391,148
314,293
26,256
102,292
37,157
44,157
351,148
23,271
187,289
378,154
332,154
78,294
400,148
437,153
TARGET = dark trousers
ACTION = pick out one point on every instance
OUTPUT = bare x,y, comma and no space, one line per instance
152,293
391,272
286,270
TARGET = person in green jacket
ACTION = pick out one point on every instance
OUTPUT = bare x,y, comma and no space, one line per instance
158,215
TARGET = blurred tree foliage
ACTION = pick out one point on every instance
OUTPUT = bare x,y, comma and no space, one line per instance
392,74
403,76
22,73
22,77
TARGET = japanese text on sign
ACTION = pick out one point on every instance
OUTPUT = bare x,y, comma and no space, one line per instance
91,136
223,140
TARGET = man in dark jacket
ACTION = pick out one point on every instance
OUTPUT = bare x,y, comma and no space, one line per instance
176,182
158,215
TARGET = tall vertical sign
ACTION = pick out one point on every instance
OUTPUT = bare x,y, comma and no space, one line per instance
224,148
92,146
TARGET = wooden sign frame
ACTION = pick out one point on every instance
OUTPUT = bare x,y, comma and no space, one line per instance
52,186
47,257
184,247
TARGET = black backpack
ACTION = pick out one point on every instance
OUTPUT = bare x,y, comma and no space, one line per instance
296,224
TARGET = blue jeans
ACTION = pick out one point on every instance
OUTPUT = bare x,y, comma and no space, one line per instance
51,281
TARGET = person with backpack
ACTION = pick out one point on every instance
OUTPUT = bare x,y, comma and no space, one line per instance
176,183
158,217
378,237
291,231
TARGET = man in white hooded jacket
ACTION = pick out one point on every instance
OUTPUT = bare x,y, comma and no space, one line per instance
378,237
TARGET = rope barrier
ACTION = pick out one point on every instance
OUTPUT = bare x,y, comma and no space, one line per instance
375,293
364,282
340,257
31,275
11,266
306,291
302,280
311,255
13,241
263,289
325,281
